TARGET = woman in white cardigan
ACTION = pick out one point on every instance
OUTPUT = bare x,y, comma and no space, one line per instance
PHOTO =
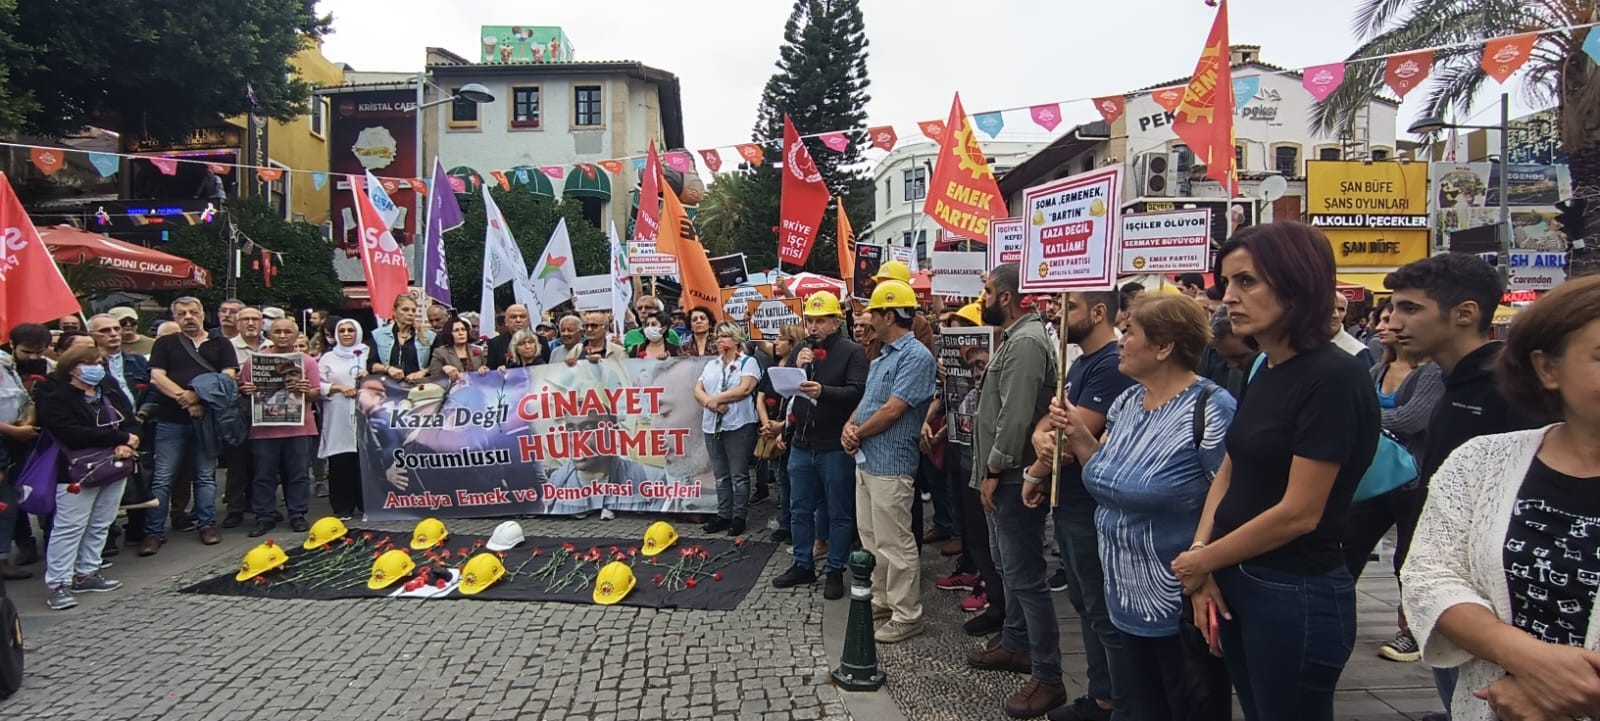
1505,566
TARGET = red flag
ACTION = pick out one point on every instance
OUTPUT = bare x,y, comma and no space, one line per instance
713,159
382,261
1205,116
751,153
31,287
1405,72
933,129
647,223
1504,56
962,195
804,199
883,137
1110,107
267,271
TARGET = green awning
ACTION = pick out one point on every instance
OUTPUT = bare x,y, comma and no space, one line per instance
530,180
473,181
587,181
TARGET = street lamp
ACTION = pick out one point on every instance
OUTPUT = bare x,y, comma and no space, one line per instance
1432,125
471,92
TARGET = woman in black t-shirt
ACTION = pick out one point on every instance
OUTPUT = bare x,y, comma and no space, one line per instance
1266,562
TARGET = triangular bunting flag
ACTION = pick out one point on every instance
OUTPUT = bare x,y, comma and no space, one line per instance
990,123
1591,44
613,167
1168,98
106,163
500,179
713,159
1403,73
883,137
638,164
588,170
167,166
554,171
269,175
836,142
751,153
318,180
678,160
1244,90
1048,116
1322,80
219,168
1504,56
47,160
418,185
1111,107
932,129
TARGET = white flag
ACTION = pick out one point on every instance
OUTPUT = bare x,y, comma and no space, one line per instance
380,200
502,263
554,275
621,283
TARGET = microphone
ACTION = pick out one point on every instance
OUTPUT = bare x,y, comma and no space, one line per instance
811,368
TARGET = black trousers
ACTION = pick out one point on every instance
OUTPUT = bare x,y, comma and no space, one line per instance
344,484
975,537
241,476
1370,519
1163,680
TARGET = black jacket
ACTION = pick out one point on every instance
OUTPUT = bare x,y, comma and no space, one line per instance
842,371
1472,406
501,355
70,415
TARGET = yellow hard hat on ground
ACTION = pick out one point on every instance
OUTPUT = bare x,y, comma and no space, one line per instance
429,532
893,270
892,294
259,560
613,583
658,537
481,572
972,312
822,303
390,567
326,530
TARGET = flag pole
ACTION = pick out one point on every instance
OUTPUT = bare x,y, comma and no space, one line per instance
1061,397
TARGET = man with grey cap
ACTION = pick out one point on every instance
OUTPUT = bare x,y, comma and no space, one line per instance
128,325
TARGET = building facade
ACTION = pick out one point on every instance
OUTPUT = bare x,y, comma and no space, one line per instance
900,186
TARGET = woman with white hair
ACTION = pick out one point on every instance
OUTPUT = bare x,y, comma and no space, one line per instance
729,422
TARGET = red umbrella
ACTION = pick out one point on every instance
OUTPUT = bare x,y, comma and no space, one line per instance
805,284
131,266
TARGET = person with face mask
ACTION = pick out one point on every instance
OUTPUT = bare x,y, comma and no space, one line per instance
82,414
659,342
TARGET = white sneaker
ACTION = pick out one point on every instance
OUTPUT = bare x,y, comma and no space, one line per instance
607,514
897,631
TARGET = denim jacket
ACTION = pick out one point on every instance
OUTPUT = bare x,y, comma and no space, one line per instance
383,343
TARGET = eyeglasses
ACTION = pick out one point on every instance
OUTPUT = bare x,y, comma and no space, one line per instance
128,322
592,326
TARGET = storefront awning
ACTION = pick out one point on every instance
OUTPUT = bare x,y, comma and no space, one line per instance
470,180
530,180
1369,281
585,180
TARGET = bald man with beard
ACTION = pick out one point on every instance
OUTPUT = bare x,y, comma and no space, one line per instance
500,348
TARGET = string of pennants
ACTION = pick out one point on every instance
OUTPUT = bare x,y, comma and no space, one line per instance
1403,72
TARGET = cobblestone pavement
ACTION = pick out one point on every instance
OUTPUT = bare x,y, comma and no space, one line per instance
929,680
153,653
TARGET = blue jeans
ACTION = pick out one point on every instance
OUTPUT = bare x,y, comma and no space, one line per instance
1444,680
780,471
1289,639
78,531
1086,591
946,498
173,442
286,461
1016,539
730,453
822,478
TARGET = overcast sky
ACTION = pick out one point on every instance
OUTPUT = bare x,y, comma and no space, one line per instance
997,53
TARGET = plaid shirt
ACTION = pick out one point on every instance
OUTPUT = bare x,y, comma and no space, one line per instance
905,370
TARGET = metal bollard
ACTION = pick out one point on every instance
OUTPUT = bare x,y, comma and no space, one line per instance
858,664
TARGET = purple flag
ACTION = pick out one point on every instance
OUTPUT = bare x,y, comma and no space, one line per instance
444,213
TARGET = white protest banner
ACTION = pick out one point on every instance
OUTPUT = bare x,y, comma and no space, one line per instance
592,292
1534,270
644,260
903,254
736,301
959,273
1176,241
768,317
1072,227
1008,236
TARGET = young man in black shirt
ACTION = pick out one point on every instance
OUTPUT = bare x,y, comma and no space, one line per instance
1443,309
173,369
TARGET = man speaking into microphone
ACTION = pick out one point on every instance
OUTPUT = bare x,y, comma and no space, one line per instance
819,469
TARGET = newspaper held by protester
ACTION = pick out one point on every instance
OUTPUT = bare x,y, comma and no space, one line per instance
275,402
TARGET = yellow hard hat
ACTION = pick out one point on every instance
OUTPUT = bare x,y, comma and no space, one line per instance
326,530
430,532
893,270
822,303
259,560
972,312
390,567
613,583
891,294
658,537
481,572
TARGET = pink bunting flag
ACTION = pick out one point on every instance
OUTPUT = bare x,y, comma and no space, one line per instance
678,160
713,159
1110,107
554,171
167,166
1047,116
1322,80
836,142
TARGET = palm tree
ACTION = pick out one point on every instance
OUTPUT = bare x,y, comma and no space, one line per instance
719,213
1558,72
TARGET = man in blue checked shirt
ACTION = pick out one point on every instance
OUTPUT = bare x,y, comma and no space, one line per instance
883,435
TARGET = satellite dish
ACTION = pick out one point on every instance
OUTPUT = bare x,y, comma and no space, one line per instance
1272,188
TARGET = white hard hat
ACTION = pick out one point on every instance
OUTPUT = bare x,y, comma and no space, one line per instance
506,535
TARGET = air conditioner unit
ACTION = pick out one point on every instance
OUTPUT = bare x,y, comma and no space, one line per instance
1158,175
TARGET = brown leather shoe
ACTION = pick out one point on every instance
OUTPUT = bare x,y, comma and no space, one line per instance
995,657
11,573
149,546
210,536
953,548
1035,698
934,536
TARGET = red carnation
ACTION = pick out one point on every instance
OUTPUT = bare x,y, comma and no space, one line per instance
376,554
74,488
261,580
477,543
568,547
716,576
535,552
740,541
500,554
657,579
440,583
366,536
325,546
632,550
270,543
689,583
348,541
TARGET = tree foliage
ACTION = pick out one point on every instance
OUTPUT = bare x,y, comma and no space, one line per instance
821,84
156,68
532,219
305,276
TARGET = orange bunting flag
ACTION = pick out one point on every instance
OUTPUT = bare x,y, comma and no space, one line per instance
1110,107
883,137
847,247
418,186
751,153
31,287
1205,117
1405,72
612,166
47,160
1169,99
962,195
700,287
1504,56
269,175
933,129
500,179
